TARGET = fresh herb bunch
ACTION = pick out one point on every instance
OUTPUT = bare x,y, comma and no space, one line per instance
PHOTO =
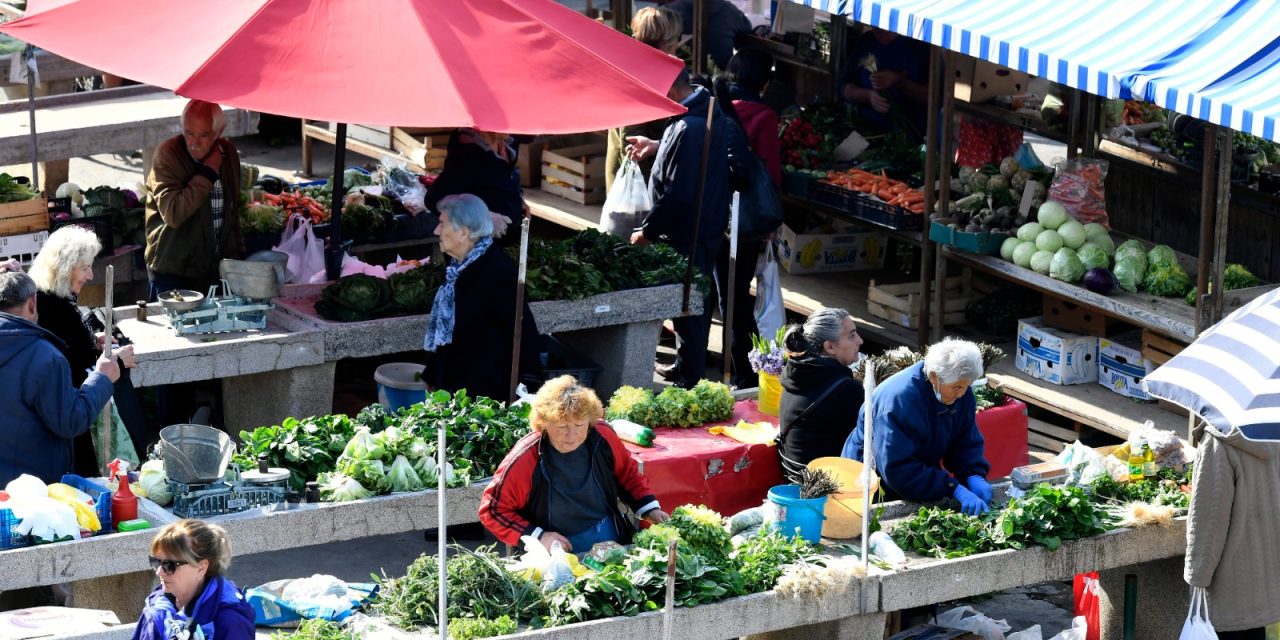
479,586
471,628
988,396
762,557
1049,515
816,483
625,589
13,191
305,447
702,532
1166,489
942,533
316,630
592,263
706,402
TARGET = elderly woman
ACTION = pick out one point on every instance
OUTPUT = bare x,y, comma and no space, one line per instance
195,597
820,398
470,332
60,271
562,482
923,415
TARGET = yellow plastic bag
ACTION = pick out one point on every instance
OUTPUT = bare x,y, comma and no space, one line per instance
85,514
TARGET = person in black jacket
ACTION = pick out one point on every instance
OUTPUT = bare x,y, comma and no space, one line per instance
673,184
482,164
820,398
471,328
724,24
60,271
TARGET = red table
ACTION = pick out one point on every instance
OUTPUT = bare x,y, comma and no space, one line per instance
692,466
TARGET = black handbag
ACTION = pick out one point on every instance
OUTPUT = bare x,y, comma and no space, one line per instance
759,206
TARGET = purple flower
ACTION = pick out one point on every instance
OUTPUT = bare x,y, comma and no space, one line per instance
770,361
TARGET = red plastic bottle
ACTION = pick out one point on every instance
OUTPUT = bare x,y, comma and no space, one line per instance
124,505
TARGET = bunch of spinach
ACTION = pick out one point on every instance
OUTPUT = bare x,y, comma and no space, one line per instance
481,430
942,533
305,447
592,263
1047,516
762,557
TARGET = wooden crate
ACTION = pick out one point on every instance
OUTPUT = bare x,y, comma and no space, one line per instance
426,148
377,136
1069,316
27,216
529,162
1159,350
900,303
575,173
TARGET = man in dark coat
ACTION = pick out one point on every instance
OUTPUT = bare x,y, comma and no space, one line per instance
724,24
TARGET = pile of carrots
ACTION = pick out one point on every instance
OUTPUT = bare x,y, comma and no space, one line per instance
894,192
298,203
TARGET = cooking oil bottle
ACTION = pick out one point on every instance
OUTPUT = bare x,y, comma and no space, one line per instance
1135,463
1148,462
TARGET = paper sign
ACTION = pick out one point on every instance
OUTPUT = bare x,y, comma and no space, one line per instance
851,148
602,308
1028,194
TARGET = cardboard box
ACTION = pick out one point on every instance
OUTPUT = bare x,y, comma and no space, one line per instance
842,249
1054,355
1121,365
979,80
1076,318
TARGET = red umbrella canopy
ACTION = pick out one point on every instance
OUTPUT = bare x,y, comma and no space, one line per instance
517,66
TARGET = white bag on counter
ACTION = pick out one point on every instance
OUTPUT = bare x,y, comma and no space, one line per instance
970,619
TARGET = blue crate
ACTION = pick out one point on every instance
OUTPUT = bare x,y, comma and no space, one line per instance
101,497
9,536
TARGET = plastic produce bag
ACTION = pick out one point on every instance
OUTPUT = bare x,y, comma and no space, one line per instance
283,603
970,619
305,251
1080,186
769,311
558,571
882,546
1079,630
628,201
1084,464
403,185
1197,626
121,442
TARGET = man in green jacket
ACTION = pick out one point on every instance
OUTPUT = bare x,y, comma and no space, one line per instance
193,214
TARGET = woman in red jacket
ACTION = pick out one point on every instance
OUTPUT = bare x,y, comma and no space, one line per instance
562,482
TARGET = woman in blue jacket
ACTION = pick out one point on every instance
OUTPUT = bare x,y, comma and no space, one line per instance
923,415
195,599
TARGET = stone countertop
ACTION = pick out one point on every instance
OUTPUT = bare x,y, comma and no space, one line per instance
295,311
167,358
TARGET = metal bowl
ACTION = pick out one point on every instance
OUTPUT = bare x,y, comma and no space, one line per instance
194,453
181,299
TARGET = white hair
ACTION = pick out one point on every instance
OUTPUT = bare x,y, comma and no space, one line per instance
202,109
953,360
66,250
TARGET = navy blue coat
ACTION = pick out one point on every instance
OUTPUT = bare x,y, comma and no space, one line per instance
913,431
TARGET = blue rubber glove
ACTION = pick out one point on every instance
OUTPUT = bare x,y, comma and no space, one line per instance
970,504
980,487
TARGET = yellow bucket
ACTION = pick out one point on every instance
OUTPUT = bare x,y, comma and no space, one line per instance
844,507
770,394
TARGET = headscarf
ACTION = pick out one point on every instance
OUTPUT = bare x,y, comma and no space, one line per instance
440,324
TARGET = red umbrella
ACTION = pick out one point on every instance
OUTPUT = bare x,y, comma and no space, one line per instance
518,66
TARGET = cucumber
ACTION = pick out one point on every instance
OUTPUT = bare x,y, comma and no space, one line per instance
632,432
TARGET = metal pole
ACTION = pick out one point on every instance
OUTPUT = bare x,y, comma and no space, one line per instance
699,30
944,194
668,611
727,336
927,246
518,335
442,525
868,464
1130,606
108,320
333,253
1217,295
1207,209
697,207
29,57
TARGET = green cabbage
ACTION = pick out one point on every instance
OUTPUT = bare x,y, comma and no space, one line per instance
1102,242
410,292
402,477
1073,234
355,297
1041,262
1092,256
1166,281
1132,248
336,487
1066,266
155,482
363,446
1129,271
1161,255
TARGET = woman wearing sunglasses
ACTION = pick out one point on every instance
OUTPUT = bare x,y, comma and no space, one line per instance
195,599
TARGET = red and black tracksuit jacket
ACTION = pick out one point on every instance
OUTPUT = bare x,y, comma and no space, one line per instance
516,502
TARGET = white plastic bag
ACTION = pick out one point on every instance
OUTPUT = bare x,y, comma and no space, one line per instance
558,572
1079,630
1197,626
627,202
305,251
1083,463
970,619
770,312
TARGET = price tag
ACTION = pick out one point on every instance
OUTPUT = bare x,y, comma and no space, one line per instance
1028,193
602,308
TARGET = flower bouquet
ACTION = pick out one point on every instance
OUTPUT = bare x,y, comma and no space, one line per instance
767,359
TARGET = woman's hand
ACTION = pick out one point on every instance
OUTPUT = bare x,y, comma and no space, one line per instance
638,238
885,79
657,516
549,538
126,356
101,339
878,102
500,224
640,147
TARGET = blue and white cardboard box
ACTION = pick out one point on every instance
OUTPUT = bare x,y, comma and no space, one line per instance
1121,366
1054,355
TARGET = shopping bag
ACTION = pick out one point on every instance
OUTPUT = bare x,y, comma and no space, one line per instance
627,202
770,313
121,443
305,251
1086,589
970,619
1197,626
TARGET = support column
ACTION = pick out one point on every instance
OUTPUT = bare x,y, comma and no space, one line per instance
124,594
259,399
625,352
1163,599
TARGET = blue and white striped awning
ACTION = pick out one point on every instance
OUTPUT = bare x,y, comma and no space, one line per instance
1217,61
1230,375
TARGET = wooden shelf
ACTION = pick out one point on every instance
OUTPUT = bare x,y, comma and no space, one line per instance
1028,122
914,237
1150,161
1090,404
785,53
1167,316
565,213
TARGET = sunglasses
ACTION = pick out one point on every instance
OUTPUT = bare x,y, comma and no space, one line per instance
169,566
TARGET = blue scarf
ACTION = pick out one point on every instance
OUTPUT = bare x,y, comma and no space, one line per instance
161,619
440,324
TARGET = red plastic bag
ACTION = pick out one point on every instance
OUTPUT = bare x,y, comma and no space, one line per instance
1080,185
1087,588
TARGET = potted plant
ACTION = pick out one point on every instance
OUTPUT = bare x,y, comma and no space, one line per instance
767,359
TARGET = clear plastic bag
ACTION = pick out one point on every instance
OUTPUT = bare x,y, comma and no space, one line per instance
970,619
1080,185
558,571
305,251
628,201
402,184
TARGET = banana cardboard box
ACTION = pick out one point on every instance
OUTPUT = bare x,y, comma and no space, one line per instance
1054,355
840,249
1121,366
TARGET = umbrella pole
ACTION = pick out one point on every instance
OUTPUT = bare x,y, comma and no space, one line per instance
517,335
29,56
697,207
869,384
107,422
333,252
727,348
442,525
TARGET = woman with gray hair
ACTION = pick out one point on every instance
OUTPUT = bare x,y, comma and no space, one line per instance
470,331
820,398
926,414
60,271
